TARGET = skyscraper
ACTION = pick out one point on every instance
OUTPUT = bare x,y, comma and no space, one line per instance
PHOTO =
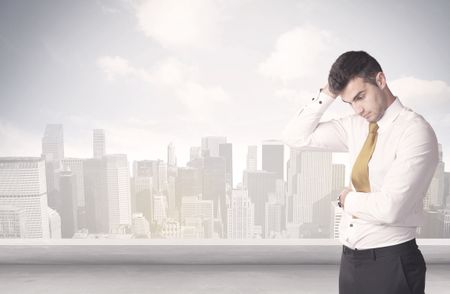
273,157
260,184
118,185
53,143
226,151
314,183
240,216
96,195
99,143
252,158
69,211
23,196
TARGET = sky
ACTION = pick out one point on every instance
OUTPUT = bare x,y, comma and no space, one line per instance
155,72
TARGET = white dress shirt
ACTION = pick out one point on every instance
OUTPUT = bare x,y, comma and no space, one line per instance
400,170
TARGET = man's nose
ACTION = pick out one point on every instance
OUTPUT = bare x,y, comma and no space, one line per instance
358,109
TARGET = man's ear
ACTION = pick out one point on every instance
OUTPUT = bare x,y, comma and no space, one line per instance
380,79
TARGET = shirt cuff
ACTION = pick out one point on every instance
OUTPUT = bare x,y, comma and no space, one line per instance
319,103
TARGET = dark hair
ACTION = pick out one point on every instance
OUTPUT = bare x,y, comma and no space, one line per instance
349,65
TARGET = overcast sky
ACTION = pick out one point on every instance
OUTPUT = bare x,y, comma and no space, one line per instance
152,72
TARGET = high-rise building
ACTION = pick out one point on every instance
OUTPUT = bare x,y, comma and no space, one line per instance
143,196
252,158
53,143
99,143
75,165
160,207
118,184
54,221
171,156
273,157
314,183
187,183
241,216
213,171
275,218
210,145
69,211
53,152
23,193
226,151
260,184
96,195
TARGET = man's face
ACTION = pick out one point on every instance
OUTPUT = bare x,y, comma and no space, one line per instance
366,99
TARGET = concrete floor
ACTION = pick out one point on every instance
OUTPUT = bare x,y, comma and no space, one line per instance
185,279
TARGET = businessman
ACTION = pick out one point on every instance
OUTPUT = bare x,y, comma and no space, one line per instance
394,153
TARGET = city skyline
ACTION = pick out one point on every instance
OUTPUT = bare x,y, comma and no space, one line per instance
108,195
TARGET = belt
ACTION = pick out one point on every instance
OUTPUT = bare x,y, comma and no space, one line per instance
381,251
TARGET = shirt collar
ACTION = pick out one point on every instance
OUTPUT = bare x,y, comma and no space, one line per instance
390,114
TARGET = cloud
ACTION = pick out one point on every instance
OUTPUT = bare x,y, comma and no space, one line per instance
116,66
428,97
192,23
299,53
202,102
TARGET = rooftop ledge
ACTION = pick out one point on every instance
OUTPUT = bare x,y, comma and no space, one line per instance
194,251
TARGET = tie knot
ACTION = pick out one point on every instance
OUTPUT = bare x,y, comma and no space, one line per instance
373,127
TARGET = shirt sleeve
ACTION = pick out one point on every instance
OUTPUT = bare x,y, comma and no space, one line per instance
306,132
406,182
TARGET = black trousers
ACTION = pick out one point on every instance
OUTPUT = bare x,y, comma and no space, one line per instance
398,269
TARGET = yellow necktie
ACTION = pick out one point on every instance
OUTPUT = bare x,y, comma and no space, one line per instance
360,172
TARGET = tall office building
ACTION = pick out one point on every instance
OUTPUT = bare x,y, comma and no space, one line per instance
213,171
171,156
75,165
53,152
23,196
69,211
252,158
99,143
96,195
54,223
53,143
187,183
240,216
210,145
160,207
275,218
226,151
273,157
314,183
143,196
119,198
260,184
